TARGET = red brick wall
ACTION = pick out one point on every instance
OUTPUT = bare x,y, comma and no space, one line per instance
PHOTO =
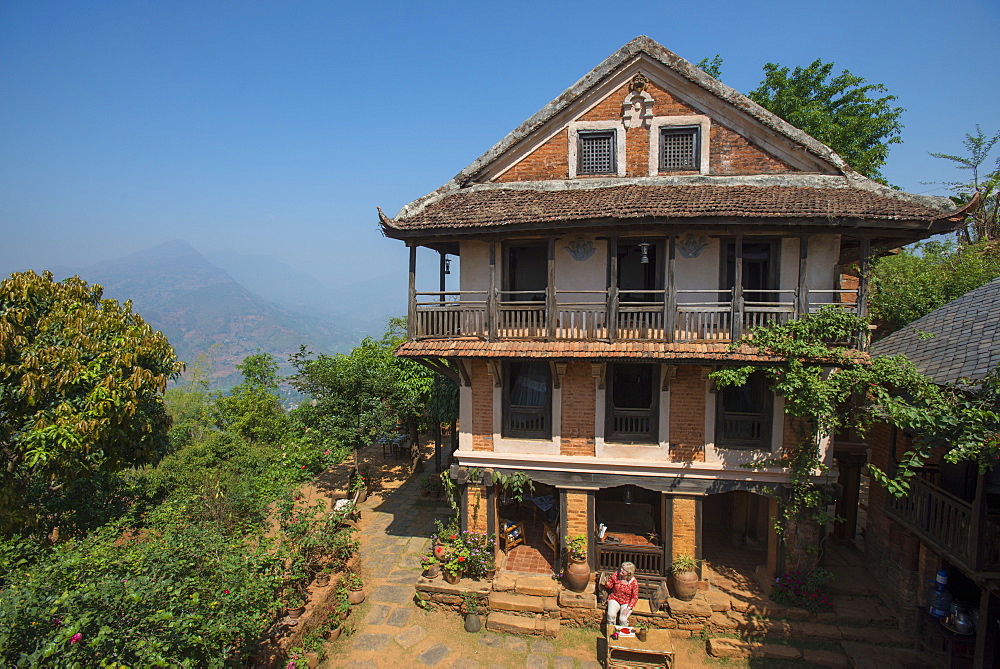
730,152
577,521
578,403
476,511
684,528
687,415
482,407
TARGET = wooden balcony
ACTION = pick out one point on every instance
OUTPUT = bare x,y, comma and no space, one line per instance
964,532
684,316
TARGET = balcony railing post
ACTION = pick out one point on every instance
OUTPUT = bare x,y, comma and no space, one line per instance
802,290
411,311
613,289
977,538
550,291
670,303
736,326
491,297
862,306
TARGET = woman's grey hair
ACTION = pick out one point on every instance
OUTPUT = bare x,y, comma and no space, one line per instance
628,568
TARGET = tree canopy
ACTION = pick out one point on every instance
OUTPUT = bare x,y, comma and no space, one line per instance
856,119
81,384
923,277
984,219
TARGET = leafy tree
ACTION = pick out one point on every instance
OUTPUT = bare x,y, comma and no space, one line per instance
253,408
712,68
851,116
923,277
985,217
81,384
190,406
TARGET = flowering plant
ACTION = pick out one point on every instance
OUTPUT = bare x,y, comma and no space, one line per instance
458,561
807,591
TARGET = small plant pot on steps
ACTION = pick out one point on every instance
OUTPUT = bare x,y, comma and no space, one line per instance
473,623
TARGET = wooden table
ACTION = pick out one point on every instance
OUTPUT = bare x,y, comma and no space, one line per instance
628,652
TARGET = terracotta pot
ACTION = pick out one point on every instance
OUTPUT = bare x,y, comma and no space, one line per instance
355,596
472,622
577,575
433,571
334,634
296,612
441,552
686,585
452,577
322,580
491,574
363,495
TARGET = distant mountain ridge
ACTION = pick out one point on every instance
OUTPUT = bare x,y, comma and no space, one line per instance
203,311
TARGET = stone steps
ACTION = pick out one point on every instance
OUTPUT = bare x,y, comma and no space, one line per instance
499,621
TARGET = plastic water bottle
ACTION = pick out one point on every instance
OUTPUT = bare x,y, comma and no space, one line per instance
938,597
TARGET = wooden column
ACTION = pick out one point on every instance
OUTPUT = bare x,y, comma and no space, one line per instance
699,535
978,524
550,291
612,289
863,267
591,533
441,275
667,529
987,643
736,327
670,296
491,297
411,311
802,290
850,464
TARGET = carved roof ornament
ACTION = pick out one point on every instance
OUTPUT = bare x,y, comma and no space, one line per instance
692,247
637,108
580,248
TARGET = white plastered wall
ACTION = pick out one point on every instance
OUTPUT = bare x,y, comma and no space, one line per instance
699,273
475,273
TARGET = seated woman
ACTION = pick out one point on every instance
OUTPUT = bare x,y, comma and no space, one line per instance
624,594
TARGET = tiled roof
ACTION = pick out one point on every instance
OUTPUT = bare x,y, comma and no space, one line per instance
477,348
965,342
491,207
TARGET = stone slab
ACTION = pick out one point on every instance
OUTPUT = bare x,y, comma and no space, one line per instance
392,594
719,601
508,622
540,586
515,644
411,636
399,617
510,601
817,630
542,646
504,582
368,642
439,585
735,648
434,655
778,651
867,656
376,614
578,600
696,607
491,640
722,621
535,661
825,658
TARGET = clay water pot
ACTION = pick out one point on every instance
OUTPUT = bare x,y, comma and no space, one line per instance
577,575
296,612
322,580
685,585
473,622
334,634
452,577
356,596
432,571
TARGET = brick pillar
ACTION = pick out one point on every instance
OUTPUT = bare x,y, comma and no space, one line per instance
684,539
482,407
476,509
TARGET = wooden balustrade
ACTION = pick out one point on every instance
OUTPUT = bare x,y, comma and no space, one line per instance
524,316
937,516
631,423
647,559
989,547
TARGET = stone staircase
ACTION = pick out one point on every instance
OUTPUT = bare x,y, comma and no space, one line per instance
525,604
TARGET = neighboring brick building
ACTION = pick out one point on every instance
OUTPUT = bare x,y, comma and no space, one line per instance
950,519
611,247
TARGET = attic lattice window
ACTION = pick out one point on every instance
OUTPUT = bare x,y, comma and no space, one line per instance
679,149
597,153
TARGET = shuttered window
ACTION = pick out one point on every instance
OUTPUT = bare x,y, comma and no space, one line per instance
679,149
597,153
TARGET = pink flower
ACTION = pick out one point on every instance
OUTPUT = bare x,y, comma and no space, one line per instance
326,452
76,637
302,467
225,592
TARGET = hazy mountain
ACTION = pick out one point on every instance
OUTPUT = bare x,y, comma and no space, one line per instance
203,310
362,307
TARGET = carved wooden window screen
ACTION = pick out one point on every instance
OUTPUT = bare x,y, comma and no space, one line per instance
597,153
679,149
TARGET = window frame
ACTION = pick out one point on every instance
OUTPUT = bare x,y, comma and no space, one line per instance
652,437
506,432
764,442
658,123
695,132
582,136
577,128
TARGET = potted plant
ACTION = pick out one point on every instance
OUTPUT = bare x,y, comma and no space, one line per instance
454,567
685,571
431,565
359,484
322,578
426,485
470,605
355,588
295,603
490,564
577,573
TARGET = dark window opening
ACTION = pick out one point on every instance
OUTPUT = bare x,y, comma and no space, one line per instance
760,271
632,403
744,415
527,400
680,149
527,274
636,275
596,153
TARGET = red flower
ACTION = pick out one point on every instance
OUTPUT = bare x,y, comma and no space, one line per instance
454,536
461,559
225,592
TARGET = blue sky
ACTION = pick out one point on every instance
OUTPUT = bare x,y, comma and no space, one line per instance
277,127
